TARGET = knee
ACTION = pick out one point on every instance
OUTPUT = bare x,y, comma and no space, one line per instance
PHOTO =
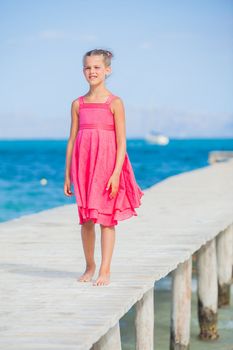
89,223
107,226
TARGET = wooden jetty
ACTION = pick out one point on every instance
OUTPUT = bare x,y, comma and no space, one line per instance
219,156
44,307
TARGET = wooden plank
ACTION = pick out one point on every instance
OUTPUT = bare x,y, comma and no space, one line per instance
42,304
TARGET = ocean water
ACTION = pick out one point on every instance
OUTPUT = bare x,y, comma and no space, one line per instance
24,163
162,313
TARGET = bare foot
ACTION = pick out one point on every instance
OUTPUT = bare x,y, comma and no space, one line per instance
89,272
103,279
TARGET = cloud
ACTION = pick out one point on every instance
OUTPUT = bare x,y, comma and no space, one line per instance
86,37
51,34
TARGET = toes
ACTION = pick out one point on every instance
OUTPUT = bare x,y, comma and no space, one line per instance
101,282
97,282
84,279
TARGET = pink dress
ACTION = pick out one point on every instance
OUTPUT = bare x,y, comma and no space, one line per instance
93,162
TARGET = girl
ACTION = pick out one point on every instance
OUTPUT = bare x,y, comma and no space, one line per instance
98,165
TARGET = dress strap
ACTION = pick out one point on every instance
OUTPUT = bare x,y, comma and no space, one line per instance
110,98
81,100
108,101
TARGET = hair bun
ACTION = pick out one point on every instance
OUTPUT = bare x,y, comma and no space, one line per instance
107,55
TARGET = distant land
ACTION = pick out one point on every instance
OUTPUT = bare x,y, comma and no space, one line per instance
139,121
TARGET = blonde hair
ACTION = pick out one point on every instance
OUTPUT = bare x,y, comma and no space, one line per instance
107,55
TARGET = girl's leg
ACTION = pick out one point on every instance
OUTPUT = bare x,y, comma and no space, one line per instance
107,245
88,240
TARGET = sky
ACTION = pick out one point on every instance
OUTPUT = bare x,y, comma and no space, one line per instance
172,65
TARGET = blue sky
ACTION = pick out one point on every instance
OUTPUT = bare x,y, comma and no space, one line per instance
173,64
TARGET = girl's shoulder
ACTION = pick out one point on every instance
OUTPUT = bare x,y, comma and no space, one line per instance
75,104
116,98
76,101
116,103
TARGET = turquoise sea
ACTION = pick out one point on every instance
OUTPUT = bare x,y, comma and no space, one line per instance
24,163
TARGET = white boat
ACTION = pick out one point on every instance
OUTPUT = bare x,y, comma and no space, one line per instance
157,138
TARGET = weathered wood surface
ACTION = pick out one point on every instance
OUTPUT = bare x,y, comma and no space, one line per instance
181,306
42,304
224,257
219,156
144,321
110,340
207,291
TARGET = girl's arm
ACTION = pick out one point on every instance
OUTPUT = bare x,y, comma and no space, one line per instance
72,137
119,117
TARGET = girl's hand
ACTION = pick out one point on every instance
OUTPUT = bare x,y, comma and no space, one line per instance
114,183
67,187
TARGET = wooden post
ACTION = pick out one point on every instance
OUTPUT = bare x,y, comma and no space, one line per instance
111,340
232,251
144,321
224,258
207,290
181,306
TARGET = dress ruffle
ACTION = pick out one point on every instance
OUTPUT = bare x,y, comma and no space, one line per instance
100,208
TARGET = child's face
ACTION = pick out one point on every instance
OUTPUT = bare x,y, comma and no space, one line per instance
95,70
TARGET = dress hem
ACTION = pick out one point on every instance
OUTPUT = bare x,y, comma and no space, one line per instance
86,214
97,221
